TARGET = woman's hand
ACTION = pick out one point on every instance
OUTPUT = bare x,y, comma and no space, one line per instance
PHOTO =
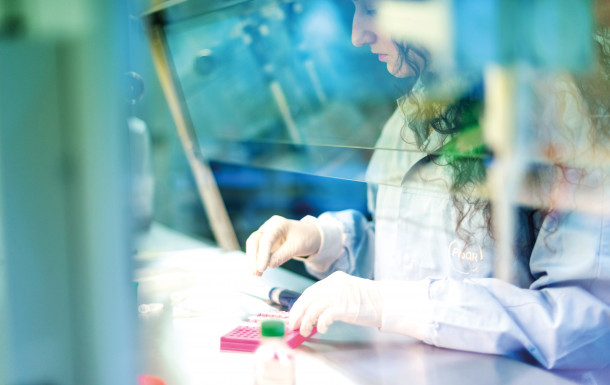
280,239
339,297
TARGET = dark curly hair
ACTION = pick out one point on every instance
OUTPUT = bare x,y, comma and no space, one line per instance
452,117
459,117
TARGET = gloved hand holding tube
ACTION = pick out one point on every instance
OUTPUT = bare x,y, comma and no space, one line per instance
280,239
339,297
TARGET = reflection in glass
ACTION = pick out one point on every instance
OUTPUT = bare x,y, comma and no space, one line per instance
281,86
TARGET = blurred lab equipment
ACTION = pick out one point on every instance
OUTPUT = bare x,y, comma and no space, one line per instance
246,337
63,180
142,190
274,362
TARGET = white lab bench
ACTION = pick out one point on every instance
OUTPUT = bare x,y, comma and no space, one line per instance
191,293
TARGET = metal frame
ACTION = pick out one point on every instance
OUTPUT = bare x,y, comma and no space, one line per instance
206,184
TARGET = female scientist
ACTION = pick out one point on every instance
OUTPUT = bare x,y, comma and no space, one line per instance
423,267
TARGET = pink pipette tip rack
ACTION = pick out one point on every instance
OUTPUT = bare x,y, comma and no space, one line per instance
246,336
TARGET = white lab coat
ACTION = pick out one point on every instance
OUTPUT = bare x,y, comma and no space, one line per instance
436,290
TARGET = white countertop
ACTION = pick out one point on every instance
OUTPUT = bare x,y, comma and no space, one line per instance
201,290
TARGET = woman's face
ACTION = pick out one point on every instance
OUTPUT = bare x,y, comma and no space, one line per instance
365,32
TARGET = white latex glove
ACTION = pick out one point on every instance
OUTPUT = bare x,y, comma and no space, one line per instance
339,297
280,239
